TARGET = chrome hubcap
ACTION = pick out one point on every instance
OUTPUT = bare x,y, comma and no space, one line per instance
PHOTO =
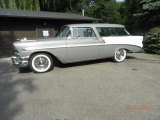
120,55
41,63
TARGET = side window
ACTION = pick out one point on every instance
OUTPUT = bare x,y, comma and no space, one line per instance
121,32
105,31
83,32
112,31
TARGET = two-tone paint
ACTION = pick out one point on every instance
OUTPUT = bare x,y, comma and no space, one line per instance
71,49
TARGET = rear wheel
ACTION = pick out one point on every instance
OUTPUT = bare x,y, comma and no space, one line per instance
41,63
120,55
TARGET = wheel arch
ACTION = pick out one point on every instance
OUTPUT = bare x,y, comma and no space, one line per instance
128,50
55,59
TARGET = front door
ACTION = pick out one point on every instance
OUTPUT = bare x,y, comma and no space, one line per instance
84,45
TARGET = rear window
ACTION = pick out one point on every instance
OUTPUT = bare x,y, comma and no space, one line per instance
105,31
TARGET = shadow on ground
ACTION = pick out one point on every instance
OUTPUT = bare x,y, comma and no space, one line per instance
76,64
148,60
10,106
130,57
89,62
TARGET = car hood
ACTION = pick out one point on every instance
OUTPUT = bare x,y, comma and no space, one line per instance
25,45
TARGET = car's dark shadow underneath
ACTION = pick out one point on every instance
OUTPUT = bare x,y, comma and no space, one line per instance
130,57
61,65
25,70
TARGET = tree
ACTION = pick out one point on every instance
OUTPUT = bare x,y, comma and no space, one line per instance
149,13
149,5
4,3
47,5
141,15
130,8
106,10
20,4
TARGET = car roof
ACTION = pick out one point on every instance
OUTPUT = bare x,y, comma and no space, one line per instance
95,25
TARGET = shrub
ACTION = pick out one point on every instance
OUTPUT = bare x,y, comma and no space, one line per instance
151,43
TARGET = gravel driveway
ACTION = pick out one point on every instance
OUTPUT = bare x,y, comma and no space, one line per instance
95,90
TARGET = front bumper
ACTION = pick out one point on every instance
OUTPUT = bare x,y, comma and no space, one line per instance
19,61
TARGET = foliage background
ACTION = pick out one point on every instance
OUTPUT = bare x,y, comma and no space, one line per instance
138,15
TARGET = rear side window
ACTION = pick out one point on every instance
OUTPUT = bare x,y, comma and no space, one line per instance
112,32
121,31
105,31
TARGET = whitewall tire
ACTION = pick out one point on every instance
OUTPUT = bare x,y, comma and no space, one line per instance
120,55
41,63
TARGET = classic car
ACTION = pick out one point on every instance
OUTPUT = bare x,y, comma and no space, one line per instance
75,43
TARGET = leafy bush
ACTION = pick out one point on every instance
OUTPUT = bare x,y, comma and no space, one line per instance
151,43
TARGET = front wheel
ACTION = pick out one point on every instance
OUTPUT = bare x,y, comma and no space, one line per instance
120,55
41,63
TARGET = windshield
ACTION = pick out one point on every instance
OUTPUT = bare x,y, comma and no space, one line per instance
105,31
64,32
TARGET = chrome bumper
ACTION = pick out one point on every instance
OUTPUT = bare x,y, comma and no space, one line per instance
19,61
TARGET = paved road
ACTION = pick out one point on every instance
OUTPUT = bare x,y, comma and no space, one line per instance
97,90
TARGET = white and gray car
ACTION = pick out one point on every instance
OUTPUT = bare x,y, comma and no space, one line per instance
76,43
